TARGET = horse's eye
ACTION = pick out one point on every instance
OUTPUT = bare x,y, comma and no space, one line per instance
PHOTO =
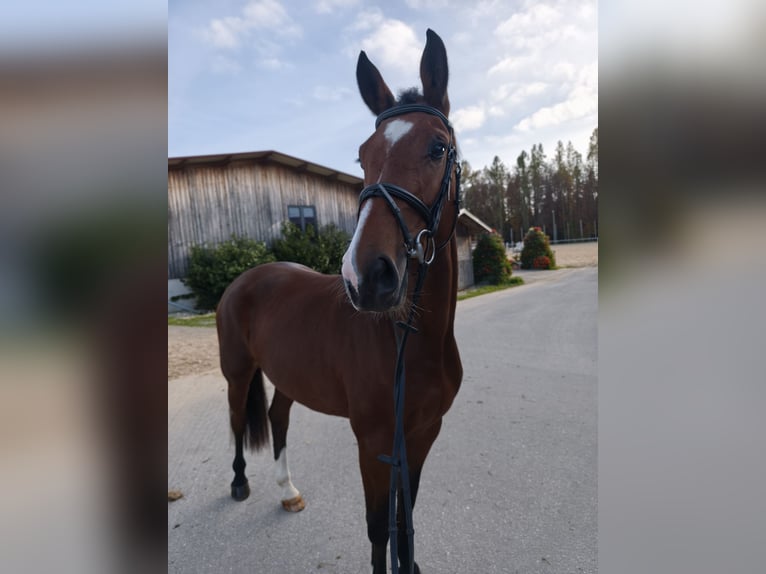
437,150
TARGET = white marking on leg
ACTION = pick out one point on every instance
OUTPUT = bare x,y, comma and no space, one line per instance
396,130
349,270
282,474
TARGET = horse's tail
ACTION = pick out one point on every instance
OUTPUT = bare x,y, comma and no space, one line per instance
257,434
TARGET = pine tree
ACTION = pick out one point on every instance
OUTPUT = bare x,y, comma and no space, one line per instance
537,192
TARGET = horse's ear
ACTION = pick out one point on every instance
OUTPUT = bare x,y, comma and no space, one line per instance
374,90
434,73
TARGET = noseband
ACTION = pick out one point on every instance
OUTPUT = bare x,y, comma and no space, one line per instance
430,215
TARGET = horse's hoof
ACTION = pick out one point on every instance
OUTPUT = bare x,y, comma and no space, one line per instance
416,569
240,492
294,504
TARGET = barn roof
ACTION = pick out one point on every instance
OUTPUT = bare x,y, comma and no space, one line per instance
265,156
473,223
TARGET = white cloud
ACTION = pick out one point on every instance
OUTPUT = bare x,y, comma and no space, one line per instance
427,4
461,38
267,15
538,79
368,19
518,70
327,94
508,94
587,11
536,19
564,70
225,32
394,44
543,25
589,76
581,102
273,64
467,119
511,65
502,102
533,89
329,6
571,109
226,66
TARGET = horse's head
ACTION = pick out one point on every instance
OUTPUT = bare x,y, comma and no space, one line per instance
408,164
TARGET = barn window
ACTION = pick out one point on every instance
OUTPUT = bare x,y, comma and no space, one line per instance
302,216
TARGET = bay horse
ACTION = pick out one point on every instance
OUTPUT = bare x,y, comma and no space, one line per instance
330,341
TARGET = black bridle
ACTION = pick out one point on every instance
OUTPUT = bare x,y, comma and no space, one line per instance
400,479
430,215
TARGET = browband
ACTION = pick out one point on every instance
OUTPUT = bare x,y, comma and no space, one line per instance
410,108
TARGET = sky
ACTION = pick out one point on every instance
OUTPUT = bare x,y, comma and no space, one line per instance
253,75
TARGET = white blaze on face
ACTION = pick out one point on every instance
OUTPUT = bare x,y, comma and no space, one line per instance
282,474
395,131
349,270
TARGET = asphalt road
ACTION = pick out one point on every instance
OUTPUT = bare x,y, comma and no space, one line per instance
509,487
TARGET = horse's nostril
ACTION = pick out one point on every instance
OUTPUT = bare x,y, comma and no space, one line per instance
384,277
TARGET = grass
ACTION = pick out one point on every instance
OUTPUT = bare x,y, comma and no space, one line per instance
206,320
483,290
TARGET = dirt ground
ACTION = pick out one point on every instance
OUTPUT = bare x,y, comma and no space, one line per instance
191,350
576,254
194,350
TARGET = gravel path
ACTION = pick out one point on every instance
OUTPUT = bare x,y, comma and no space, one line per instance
509,486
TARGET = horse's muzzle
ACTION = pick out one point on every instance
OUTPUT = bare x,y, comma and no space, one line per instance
380,289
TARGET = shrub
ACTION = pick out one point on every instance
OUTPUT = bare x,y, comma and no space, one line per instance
489,261
321,251
541,262
212,269
536,245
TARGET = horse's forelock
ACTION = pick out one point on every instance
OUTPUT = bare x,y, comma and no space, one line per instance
409,96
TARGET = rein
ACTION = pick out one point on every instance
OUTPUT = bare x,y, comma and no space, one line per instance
400,477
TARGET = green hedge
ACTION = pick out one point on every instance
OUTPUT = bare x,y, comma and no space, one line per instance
490,264
322,252
536,250
212,269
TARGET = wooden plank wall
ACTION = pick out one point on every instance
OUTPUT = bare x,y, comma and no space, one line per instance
209,204
464,257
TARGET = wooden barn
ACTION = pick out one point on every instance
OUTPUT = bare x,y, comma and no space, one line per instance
212,197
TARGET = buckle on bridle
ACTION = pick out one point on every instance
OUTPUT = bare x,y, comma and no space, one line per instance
424,255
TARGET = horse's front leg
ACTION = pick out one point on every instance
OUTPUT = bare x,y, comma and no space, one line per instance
418,446
403,545
375,476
